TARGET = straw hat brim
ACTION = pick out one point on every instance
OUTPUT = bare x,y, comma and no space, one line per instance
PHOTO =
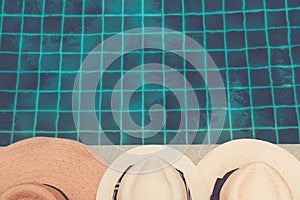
237,153
64,164
194,180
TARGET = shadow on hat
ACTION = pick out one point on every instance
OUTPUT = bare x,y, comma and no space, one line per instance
151,176
49,169
249,169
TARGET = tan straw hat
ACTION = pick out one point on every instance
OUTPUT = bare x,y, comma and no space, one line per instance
49,169
149,173
249,169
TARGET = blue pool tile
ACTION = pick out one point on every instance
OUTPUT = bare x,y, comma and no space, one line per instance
19,135
278,37
11,24
51,43
214,40
297,75
53,7
50,62
256,38
5,138
234,21
288,136
10,43
286,117
241,134
71,44
33,7
32,25
8,81
6,120
46,121
174,6
29,62
239,98
280,57
132,22
73,7
258,57
198,37
295,55
115,139
193,6
92,25
48,101
70,62
26,100
266,135
260,77
13,6
112,24
152,6
24,121
65,103
66,122
281,76
193,23
8,61
214,22
235,39
270,4
237,59
264,117
132,7
52,24
175,138
219,58
198,137
28,81
112,7
293,3
284,96
276,18
67,81
72,25
93,7
295,39
238,77
255,20
7,100
224,137
30,43
89,43
298,95
157,138
213,6
262,97
254,4
154,21
234,5
294,17
173,22
48,81
241,118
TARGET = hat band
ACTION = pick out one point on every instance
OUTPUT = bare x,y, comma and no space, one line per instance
58,190
33,191
219,184
116,190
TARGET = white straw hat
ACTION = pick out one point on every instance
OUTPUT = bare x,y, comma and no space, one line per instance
249,169
147,173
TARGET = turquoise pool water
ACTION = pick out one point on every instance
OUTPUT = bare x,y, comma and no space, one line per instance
255,45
